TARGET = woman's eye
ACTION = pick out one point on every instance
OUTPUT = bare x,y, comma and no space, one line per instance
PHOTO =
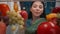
34,6
40,7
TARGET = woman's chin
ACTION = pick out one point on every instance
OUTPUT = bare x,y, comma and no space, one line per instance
37,15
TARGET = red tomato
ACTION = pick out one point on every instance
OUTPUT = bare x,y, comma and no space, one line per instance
4,8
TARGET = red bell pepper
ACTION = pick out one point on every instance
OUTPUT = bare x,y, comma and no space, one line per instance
48,28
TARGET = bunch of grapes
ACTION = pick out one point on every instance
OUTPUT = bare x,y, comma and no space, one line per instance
15,18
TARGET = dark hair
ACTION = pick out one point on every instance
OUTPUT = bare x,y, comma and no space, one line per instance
30,14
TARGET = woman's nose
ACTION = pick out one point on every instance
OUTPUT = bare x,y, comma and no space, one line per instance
38,9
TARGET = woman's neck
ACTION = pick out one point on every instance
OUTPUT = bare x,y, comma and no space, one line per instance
34,18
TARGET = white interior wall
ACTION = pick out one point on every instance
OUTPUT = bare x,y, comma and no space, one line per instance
57,3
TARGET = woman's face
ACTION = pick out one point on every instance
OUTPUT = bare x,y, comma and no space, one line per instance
37,8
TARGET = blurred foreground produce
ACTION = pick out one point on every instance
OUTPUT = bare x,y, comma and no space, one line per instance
2,27
49,27
4,8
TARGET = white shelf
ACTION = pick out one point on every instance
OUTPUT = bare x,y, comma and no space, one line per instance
19,0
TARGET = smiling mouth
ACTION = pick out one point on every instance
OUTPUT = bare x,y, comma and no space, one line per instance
37,12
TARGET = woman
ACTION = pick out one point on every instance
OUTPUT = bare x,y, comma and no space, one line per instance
36,13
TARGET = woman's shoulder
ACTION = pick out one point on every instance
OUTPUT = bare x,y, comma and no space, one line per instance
37,22
41,20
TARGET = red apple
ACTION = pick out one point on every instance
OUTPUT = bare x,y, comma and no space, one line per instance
48,28
24,14
56,10
4,8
